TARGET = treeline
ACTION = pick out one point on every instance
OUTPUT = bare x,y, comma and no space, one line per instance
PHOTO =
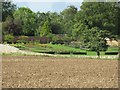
90,25
73,22
23,21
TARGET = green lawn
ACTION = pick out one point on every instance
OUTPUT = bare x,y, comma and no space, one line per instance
112,49
42,48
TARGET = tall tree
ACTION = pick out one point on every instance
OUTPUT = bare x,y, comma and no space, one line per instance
40,18
68,18
8,9
56,23
12,26
94,39
99,14
28,20
46,29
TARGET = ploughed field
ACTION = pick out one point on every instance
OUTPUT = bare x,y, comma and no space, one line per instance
58,72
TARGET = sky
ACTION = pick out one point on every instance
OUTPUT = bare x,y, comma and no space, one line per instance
45,6
50,5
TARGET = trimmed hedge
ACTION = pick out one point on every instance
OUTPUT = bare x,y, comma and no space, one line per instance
111,53
64,53
48,52
53,52
80,53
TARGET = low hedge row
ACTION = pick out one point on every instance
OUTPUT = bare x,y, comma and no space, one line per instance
75,53
111,53
48,52
25,39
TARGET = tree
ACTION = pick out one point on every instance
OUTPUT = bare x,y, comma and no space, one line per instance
56,28
38,30
78,30
94,39
46,29
68,16
27,18
6,26
103,15
40,19
56,23
8,9
12,26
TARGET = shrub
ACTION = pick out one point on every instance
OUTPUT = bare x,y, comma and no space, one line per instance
75,45
9,38
61,40
50,36
55,39
64,53
45,46
20,46
36,42
66,39
23,39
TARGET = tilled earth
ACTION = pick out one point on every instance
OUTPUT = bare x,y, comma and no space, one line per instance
54,72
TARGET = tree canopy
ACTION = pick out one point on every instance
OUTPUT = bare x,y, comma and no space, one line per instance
8,9
99,14
27,18
94,39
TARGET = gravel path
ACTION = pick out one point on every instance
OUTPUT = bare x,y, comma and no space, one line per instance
8,49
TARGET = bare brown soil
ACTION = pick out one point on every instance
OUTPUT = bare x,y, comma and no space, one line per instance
54,72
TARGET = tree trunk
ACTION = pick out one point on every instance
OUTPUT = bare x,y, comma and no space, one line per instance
98,54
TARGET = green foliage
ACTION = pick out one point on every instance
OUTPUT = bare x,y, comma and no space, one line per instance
68,16
99,14
94,39
90,25
55,21
27,18
8,9
45,30
61,40
51,48
56,28
8,38
12,26
57,49
113,49
38,30
45,45
78,31
56,40
20,46
67,39
23,39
